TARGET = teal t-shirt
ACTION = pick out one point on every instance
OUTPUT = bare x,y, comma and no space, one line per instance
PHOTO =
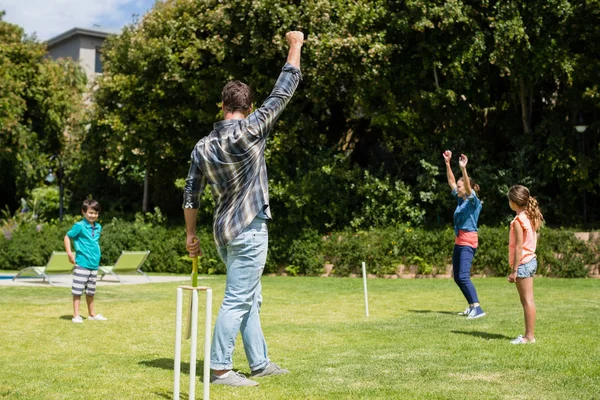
87,248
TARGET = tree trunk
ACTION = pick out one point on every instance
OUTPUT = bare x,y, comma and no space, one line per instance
525,113
435,77
146,179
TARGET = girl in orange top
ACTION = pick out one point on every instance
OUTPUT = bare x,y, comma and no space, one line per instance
521,253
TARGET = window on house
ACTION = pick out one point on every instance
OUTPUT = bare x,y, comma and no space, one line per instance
98,63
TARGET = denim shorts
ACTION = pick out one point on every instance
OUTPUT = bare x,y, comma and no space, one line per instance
528,269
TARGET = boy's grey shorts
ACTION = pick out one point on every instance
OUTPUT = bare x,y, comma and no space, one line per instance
528,269
84,278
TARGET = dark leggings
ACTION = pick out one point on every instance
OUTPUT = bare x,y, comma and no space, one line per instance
462,258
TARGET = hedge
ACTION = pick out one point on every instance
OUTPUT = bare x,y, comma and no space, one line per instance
426,252
559,252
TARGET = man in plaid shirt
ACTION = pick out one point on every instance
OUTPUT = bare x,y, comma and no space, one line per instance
231,160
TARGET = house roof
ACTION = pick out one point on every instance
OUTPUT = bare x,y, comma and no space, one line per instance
77,31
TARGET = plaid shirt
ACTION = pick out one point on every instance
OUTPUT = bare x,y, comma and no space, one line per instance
231,159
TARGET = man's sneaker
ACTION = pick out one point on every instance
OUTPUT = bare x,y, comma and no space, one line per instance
466,312
271,369
476,312
521,340
232,378
98,317
77,319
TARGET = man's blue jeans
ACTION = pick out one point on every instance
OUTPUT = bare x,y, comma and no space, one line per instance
462,258
245,257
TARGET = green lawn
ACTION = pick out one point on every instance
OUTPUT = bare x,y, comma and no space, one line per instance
412,346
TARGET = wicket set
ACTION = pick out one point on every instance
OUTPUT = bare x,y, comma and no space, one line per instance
193,341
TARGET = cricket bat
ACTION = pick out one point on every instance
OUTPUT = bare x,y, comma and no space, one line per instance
188,333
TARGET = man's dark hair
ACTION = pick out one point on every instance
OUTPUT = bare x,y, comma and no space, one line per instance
90,203
236,96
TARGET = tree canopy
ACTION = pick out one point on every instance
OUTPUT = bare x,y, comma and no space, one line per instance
387,86
40,102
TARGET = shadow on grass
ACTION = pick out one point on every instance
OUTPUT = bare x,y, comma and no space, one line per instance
168,363
67,317
429,311
484,335
183,394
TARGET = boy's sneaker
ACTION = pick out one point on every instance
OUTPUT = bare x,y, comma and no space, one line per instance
98,317
232,378
476,312
466,312
521,340
271,369
77,319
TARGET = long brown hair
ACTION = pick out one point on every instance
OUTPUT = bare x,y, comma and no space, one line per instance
473,185
520,195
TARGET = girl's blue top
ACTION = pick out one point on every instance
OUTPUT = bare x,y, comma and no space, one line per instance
467,212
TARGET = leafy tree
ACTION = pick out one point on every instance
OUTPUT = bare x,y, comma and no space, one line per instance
39,103
387,86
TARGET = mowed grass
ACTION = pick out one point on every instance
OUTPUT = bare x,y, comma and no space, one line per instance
412,346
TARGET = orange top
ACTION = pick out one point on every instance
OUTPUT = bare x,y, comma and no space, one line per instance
466,238
529,240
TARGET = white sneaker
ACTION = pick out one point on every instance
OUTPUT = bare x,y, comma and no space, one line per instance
521,340
466,312
77,319
476,312
98,317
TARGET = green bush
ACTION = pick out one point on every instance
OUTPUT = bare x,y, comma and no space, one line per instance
46,201
31,244
166,245
306,255
384,250
387,202
346,252
492,255
559,253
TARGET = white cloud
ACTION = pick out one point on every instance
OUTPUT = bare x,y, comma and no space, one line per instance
48,18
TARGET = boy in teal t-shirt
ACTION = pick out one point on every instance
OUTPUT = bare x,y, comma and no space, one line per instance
86,236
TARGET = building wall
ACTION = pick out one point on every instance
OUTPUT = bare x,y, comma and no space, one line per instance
81,48
89,48
66,49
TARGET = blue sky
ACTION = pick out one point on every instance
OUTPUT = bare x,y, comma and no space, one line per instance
48,18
